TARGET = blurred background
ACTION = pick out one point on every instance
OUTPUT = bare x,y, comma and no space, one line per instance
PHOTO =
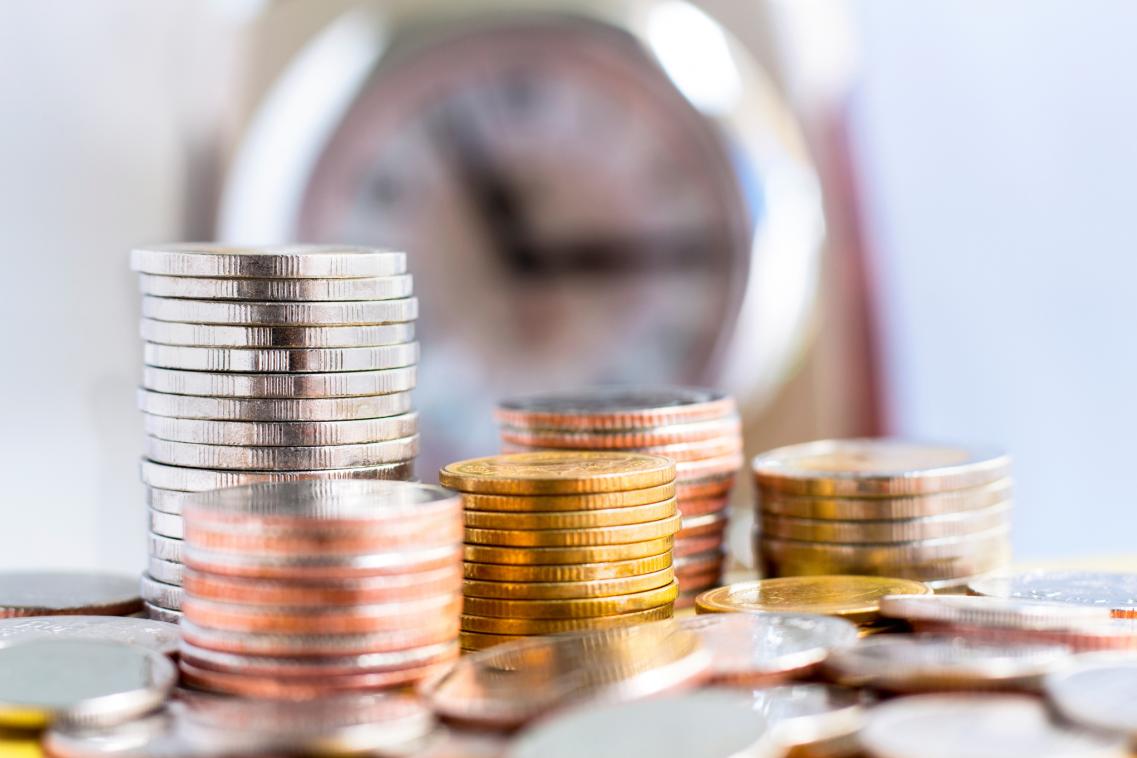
860,217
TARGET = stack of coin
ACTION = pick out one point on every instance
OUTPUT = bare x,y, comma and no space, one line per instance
565,540
933,513
696,428
302,589
269,364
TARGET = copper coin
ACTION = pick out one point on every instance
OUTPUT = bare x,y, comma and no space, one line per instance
273,688
54,593
703,526
385,538
716,447
604,408
718,485
313,667
431,632
320,620
696,545
568,590
364,591
579,572
321,567
694,431
701,506
700,470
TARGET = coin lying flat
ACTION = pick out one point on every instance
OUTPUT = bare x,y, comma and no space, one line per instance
604,408
152,635
811,714
48,593
694,431
601,535
950,525
278,290
1115,591
516,682
856,598
335,384
283,360
267,262
591,519
573,573
187,479
977,726
281,458
1099,694
80,681
557,473
773,502
264,313
222,335
972,610
282,433
168,596
575,502
273,409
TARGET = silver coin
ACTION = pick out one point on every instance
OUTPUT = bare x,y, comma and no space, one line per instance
707,723
267,262
152,635
168,596
350,565
278,290
293,645
164,548
49,593
283,360
339,384
1008,613
274,409
82,681
915,663
165,501
977,725
1100,693
214,335
281,458
196,479
613,400
1115,591
890,531
261,313
772,502
282,433
158,613
757,648
808,714
151,736
285,667
166,572
165,524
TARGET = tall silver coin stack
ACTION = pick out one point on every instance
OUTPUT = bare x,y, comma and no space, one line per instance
268,364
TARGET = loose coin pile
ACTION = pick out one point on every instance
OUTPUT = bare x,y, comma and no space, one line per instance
936,514
298,590
564,540
696,428
268,364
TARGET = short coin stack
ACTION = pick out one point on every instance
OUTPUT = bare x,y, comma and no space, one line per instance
564,541
932,513
298,590
269,364
696,428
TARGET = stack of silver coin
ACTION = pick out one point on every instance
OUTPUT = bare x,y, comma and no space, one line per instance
268,364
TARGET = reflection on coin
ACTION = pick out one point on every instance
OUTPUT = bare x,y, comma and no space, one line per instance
267,262
165,571
518,681
308,620
264,313
217,335
808,714
579,537
1099,693
47,593
856,598
187,479
80,682
593,588
705,724
977,726
152,635
273,409
168,596
286,290
252,360
972,610
914,663
557,473
962,524
771,647
334,384
891,507
1115,591
604,408
281,458
282,433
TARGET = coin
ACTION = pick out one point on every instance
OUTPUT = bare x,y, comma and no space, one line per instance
884,507
167,596
949,525
264,313
165,501
573,573
282,433
166,524
727,426
301,645
157,613
361,619
320,567
1011,613
544,556
709,468
267,262
573,608
876,467
281,458
700,506
245,540
363,591
283,360
821,557
165,571
475,641
817,715
679,452
152,734
80,681
593,588
701,526
53,593
195,479
515,682
274,409
557,473
164,549
607,535
299,290
764,649
152,635
605,517
856,598
718,485
314,667
602,408
977,724
577,502
495,625
335,384
1098,694
1115,591
271,687
218,335
1114,634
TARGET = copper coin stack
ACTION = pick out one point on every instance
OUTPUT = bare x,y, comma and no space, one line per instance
697,428
296,590
268,364
564,541
934,513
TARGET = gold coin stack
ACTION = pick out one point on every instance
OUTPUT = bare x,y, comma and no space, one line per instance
564,541
697,428
934,513
268,364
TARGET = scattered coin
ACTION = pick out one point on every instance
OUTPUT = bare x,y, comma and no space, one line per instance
1010,613
823,718
1099,694
856,598
1115,591
152,635
50,593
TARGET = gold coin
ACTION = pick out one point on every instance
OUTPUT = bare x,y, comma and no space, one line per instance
942,573
473,641
948,525
875,555
856,598
559,472
596,588
528,626
772,502
545,556
584,572
633,514
607,535
578,502
575,608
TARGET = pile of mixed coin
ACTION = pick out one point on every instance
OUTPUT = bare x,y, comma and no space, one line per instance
564,540
936,514
299,590
698,429
267,365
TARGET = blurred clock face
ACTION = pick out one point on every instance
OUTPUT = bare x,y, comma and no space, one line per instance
570,218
